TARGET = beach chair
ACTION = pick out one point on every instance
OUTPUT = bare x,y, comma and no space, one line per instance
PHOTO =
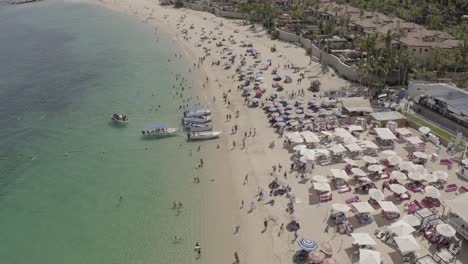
388,164
447,162
352,199
402,197
344,189
325,197
462,189
451,187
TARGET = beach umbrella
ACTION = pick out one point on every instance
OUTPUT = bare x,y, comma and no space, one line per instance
330,261
322,186
367,256
363,207
290,107
394,160
254,100
401,228
278,104
432,192
326,248
320,178
272,109
446,230
376,194
289,112
292,116
363,239
339,174
358,172
275,115
397,188
441,175
308,244
424,130
419,169
369,159
350,161
406,166
389,152
341,207
388,206
299,147
246,90
298,111
316,256
279,124
411,220
375,167
300,116
431,178
398,175
279,119
415,176
420,155
407,243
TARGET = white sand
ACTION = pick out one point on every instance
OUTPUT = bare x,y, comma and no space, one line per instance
228,168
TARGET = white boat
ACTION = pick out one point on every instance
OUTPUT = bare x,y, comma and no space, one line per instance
119,118
203,135
196,120
197,111
155,130
204,127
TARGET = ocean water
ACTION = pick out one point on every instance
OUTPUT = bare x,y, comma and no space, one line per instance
65,67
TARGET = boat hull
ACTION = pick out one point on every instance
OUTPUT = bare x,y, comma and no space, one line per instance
203,135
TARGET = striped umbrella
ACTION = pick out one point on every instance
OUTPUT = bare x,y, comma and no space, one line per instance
308,244
316,256
326,248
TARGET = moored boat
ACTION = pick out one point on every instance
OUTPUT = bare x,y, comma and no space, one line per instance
196,120
202,135
201,128
119,118
158,130
197,111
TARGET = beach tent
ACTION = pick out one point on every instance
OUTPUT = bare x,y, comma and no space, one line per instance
376,194
414,140
403,131
339,174
320,178
367,256
411,220
401,228
363,207
368,144
350,161
358,172
384,133
353,147
388,206
341,207
458,206
407,244
370,159
337,149
310,137
363,239
321,186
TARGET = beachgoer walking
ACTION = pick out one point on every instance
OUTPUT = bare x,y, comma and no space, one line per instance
236,230
242,204
236,256
265,224
201,162
197,249
246,179
281,229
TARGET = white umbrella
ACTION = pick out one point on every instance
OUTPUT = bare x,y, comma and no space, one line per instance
398,175
358,172
363,207
299,147
407,243
419,169
420,155
441,175
401,228
394,160
389,152
341,207
307,158
320,178
322,186
350,161
369,159
338,148
415,176
364,179
375,167
432,192
376,194
339,174
431,178
411,220
363,239
406,165
355,128
424,130
397,188
367,256
388,206
446,230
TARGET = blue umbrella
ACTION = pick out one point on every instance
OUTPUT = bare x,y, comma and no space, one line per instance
308,245
247,90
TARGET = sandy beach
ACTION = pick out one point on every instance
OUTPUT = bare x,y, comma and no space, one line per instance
223,175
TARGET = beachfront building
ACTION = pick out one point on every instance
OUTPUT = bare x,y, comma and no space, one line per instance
458,215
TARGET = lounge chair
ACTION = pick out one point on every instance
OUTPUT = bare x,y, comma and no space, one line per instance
352,199
451,187
462,189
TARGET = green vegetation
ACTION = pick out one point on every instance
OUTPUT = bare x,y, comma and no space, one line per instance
435,129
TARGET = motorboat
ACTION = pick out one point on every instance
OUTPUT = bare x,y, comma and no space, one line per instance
119,118
158,130
196,120
197,111
199,127
202,135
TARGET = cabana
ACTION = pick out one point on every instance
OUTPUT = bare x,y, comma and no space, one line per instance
415,143
354,149
385,138
337,151
362,241
309,137
370,148
363,210
340,179
403,132
389,210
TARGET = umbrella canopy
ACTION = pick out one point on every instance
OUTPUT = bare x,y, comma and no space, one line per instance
388,206
320,178
407,243
367,256
416,176
350,161
420,155
431,178
275,115
363,239
321,186
369,159
326,248
398,175
401,228
355,128
338,148
441,175
308,244
432,192
406,165
394,160
299,147
340,207
397,188
375,167
358,172
411,220
389,152
419,169
424,130
339,174
446,230
376,194
363,207
316,256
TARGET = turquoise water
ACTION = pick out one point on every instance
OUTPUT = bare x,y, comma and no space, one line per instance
65,67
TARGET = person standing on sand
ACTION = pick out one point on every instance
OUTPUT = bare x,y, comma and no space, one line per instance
265,224
236,257
246,179
242,204
197,249
281,229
